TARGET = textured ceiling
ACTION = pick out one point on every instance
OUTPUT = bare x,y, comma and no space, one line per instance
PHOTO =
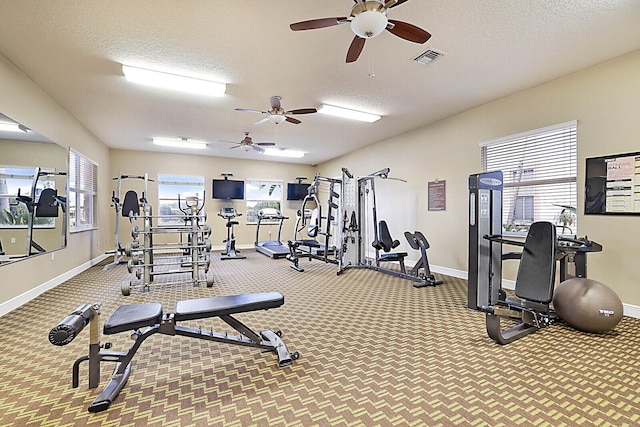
73,49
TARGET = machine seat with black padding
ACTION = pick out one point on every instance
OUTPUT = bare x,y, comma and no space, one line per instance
534,288
136,317
386,243
421,268
537,269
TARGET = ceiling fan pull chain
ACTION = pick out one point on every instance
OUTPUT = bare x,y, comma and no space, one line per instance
372,71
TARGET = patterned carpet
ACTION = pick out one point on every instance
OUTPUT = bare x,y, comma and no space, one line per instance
374,352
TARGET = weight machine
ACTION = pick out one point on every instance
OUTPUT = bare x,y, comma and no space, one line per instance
360,216
310,221
531,307
129,208
45,207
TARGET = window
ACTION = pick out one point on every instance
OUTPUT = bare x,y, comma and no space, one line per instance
540,177
260,194
83,190
14,179
172,191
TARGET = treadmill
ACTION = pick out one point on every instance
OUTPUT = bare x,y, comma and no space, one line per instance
272,248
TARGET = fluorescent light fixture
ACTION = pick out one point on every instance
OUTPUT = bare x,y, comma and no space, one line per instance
173,81
348,114
12,127
180,143
283,152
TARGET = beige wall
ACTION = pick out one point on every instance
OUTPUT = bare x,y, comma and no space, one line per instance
27,103
139,163
605,99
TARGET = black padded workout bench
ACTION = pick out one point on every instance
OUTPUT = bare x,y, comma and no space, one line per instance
134,317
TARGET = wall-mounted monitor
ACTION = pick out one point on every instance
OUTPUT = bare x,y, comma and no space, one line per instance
227,189
297,191
612,185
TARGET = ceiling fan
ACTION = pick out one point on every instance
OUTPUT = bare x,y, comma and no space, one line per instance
368,19
247,144
277,114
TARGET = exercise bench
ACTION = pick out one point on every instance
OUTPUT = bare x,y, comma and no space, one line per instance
136,317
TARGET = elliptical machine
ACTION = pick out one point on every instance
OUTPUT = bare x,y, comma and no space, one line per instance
230,251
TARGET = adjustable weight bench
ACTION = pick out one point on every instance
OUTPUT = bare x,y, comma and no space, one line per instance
135,317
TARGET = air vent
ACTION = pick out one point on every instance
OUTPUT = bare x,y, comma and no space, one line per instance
428,56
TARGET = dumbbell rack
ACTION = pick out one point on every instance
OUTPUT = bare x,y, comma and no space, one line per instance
195,257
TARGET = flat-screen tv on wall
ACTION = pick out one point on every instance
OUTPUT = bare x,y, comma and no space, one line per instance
228,189
612,185
297,191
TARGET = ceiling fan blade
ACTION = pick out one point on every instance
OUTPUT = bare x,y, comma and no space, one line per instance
235,146
302,111
355,48
312,24
275,102
398,3
408,31
255,147
263,144
292,120
261,121
250,111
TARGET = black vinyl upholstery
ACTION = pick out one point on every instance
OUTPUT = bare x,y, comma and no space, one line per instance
130,204
133,316
47,207
226,305
537,270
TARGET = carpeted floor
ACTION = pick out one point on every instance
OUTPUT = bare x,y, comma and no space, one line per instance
374,352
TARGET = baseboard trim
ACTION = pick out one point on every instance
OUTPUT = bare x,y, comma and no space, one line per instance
24,298
10,305
631,310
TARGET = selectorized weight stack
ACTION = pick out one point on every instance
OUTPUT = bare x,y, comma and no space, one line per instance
485,219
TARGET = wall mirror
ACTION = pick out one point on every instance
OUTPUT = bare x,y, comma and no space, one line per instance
33,193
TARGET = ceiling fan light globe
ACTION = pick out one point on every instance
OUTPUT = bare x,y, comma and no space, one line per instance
246,147
369,24
277,119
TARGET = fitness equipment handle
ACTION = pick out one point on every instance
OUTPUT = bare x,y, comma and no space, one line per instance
66,331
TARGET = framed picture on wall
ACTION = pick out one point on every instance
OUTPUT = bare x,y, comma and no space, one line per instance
612,185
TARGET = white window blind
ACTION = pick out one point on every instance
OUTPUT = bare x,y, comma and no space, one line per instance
540,176
83,189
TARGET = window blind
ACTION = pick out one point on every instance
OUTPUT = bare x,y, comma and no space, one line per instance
540,176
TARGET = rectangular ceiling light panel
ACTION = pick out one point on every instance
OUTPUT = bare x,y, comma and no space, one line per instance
283,153
180,143
347,113
173,81
12,127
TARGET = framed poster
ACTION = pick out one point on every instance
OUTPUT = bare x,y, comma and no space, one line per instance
437,195
612,185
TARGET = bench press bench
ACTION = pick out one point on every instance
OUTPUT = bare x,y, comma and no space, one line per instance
135,317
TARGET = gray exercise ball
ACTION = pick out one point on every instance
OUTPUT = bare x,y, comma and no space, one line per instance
587,305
